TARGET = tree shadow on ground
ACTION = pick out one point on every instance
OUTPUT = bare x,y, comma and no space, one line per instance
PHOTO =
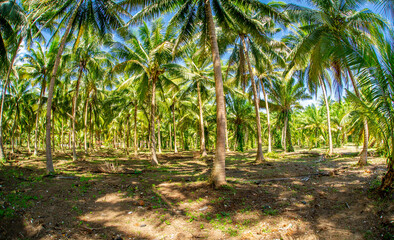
174,201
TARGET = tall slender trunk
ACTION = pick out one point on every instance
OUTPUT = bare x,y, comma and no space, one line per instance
328,117
28,141
268,117
284,133
218,174
135,129
49,161
91,127
288,137
203,151
75,101
259,156
13,135
152,124
53,129
173,120
43,87
127,134
169,126
158,135
62,136
364,153
86,126
7,80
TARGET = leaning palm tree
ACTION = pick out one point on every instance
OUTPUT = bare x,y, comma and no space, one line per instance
78,15
285,96
147,57
376,105
332,30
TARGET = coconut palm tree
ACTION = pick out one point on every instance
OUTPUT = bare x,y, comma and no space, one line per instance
13,28
147,57
78,15
376,105
285,96
197,77
86,58
193,17
240,117
333,30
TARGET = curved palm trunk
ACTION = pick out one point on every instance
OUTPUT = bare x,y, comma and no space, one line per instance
75,100
328,117
152,124
218,175
7,80
364,153
173,120
49,161
268,117
259,156
203,150
43,87
135,129
86,126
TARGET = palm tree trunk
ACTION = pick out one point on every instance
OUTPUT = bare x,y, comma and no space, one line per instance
259,156
328,117
288,137
86,126
203,151
173,120
388,178
53,129
158,135
75,100
43,87
62,136
218,174
169,126
7,80
49,161
364,153
284,134
127,134
135,129
152,125
28,141
268,117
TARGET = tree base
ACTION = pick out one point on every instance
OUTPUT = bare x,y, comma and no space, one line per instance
362,161
387,180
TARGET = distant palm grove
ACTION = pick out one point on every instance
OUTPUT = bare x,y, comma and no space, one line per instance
197,75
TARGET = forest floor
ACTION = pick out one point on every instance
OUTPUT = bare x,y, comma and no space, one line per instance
109,195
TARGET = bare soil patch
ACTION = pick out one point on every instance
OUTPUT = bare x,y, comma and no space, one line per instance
109,195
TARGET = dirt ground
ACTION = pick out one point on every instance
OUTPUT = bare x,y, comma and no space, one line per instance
109,195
